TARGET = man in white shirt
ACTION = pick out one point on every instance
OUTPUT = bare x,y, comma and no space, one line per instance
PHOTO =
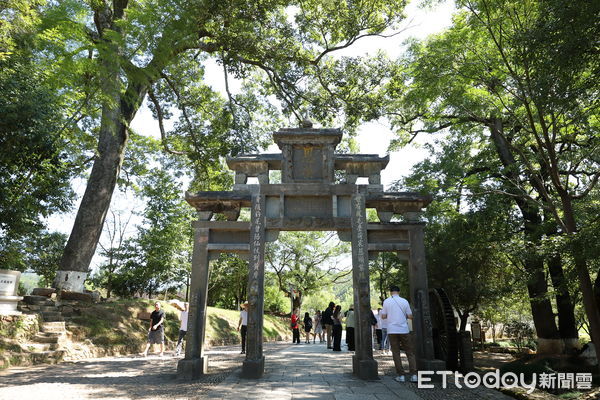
243,323
396,312
182,328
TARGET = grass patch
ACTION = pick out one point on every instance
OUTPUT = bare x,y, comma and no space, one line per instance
18,326
115,323
570,395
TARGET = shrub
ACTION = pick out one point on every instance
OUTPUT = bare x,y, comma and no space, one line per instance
521,334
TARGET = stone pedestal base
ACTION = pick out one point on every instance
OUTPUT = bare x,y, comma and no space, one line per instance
192,369
431,365
364,369
8,305
253,369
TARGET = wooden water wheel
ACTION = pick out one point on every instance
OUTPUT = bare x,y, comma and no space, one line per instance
445,335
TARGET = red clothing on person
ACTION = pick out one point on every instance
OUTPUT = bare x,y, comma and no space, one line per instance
294,321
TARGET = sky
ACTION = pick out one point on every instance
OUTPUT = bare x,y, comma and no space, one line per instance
372,137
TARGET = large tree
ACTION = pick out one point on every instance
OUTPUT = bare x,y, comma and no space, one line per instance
306,261
37,160
493,69
126,50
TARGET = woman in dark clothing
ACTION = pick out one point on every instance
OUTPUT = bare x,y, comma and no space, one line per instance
337,328
307,326
295,328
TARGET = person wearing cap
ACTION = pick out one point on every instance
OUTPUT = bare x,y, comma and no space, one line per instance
243,324
182,328
396,312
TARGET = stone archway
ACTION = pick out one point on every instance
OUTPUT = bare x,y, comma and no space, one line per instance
308,198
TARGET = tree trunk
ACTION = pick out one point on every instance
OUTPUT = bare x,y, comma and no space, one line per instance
597,289
298,301
118,110
567,325
585,282
464,317
537,287
109,285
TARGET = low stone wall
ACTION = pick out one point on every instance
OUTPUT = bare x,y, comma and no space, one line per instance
21,326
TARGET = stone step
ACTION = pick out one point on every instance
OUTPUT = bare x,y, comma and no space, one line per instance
47,337
50,356
46,292
53,326
53,319
39,347
52,316
27,307
36,308
38,300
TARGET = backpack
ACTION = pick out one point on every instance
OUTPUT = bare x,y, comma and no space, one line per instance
308,324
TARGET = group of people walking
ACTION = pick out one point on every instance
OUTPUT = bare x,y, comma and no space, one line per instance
391,329
391,323
327,325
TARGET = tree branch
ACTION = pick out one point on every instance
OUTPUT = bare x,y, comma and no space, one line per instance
163,134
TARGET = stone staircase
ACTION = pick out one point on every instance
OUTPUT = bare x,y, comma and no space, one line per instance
46,345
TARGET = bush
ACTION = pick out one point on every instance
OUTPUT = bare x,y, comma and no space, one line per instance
521,334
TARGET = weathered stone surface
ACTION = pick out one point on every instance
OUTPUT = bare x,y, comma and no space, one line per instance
195,362
47,292
364,365
37,300
253,366
68,295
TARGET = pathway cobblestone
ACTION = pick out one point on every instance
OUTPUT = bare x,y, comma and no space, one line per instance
310,371
306,371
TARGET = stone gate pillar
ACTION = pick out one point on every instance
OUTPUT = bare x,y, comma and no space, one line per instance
419,299
195,362
363,364
254,364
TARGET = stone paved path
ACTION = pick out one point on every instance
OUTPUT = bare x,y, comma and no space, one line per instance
309,371
292,372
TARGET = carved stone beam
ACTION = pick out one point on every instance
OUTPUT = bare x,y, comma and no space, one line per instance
375,179
412,216
232,215
351,178
205,215
385,216
240,178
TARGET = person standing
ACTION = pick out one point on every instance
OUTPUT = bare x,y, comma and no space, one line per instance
243,324
396,311
337,328
156,333
328,323
295,327
307,326
350,329
182,328
318,327
378,332
385,343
